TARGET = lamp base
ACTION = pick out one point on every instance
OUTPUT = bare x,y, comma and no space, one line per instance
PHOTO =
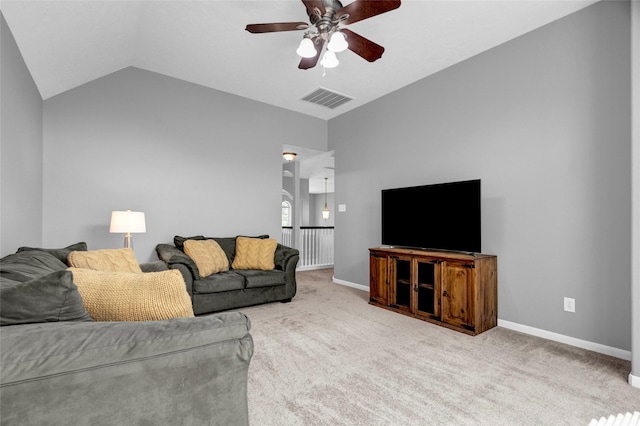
128,241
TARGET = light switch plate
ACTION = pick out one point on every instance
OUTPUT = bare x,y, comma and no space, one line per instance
342,208
569,304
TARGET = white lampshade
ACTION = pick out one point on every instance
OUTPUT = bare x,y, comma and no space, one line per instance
127,222
329,60
338,43
306,49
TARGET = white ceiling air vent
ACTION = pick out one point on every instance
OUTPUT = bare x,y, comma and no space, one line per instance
326,98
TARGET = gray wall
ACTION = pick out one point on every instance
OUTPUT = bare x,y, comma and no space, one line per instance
635,218
303,203
20,150
544,121
195,160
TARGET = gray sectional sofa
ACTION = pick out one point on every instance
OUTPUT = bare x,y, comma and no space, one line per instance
237,287
59,367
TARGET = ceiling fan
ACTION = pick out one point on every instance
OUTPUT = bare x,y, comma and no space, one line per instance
325,17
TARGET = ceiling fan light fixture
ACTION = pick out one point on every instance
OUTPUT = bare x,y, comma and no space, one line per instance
329,60
306,49
325,17
338,42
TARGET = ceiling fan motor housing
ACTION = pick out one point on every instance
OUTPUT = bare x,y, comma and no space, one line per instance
326,23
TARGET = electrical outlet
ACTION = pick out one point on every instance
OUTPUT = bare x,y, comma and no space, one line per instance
569,304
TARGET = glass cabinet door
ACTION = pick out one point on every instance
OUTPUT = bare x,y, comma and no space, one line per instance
427,287
401,282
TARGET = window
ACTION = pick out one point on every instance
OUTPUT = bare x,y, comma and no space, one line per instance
286,213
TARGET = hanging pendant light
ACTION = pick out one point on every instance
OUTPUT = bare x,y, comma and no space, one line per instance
325,210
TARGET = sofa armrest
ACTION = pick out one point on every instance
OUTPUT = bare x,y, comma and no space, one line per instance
286,259
283,255
174,258
156,266
167,251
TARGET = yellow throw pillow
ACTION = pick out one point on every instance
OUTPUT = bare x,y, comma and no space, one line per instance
255,253
126,296
208,256
108,260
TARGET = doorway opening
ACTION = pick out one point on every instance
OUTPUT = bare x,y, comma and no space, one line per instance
308,188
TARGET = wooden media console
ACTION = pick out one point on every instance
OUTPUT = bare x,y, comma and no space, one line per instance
455,290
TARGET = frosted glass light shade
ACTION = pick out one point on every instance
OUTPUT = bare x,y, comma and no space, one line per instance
325,213
338,43
306,49
289,156
127,222
329,60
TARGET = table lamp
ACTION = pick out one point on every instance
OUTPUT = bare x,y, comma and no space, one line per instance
127,222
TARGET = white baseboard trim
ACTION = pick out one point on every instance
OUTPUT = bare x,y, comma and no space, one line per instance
634,381
584,344
591,346
350,284
313,268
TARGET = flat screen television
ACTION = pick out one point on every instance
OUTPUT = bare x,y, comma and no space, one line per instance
443,216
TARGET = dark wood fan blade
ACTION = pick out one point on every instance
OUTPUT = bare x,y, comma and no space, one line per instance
307,63
363,9
276,26
310,4
363,47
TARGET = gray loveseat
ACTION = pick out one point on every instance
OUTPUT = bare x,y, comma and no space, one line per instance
59,367
237,287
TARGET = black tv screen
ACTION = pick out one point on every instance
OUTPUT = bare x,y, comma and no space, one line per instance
443,216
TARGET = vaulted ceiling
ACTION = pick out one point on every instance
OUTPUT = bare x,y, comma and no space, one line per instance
69,43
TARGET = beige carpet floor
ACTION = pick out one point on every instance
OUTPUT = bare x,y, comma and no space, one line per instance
330,358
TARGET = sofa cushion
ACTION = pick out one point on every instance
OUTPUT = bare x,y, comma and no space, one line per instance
48,298
255,278
208,256
228,245
216,283
27,265
178,241
126,296
255,253
61,254
108,260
